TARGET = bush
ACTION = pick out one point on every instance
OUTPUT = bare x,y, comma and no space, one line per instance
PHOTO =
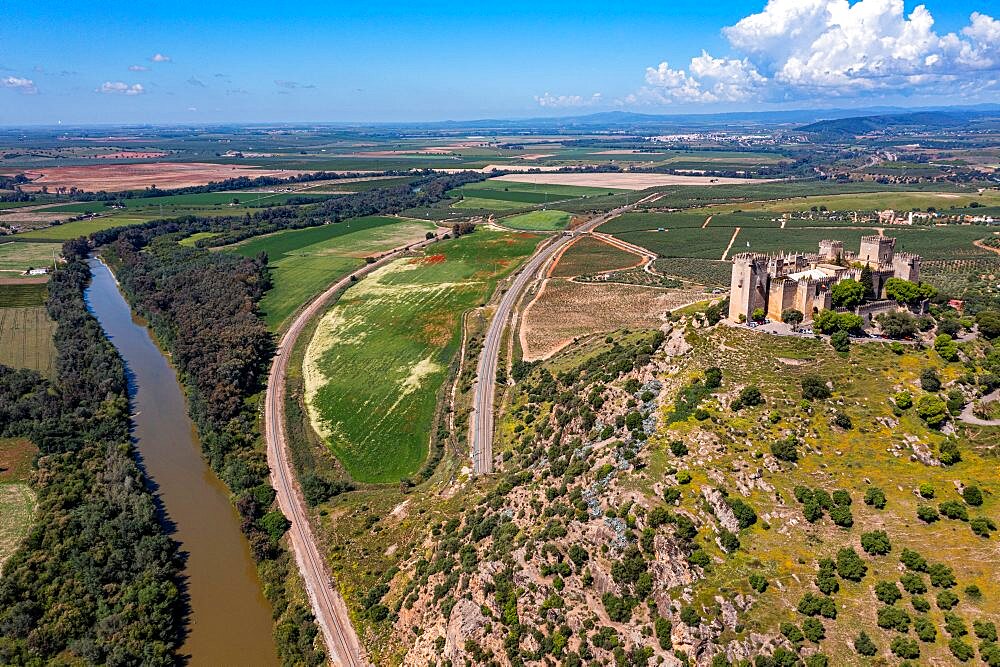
887,592
913,583
972,495
913,560
817,605
973,592
903,400
813,629
864,645
817,660
876,543
683,477
946,600
924,628
841,420
954,510
744,513
850,566
948,453
961,650
842,516
840,341
946,347
927,514
814,388
758,582
985,630
875,497
982,526
926,490
671,494
905,648
932,410
929,380
728,540
920,604
678,448
662,627
826,578
785,450
749,396
713,377
941,576
690,616
954,625
792,634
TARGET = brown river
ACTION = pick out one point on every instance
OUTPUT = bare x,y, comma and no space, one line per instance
230,619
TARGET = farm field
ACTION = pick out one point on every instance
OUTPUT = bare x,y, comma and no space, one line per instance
17,500
708,243
378,357
489,204
590,255
164,175
876,201
172,203
26,338
623,180
534,193
710,272
17,257
25,292
565,310
541,221
304,261
71,230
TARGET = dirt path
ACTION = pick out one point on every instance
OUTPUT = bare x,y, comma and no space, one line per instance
980,244
328,606
731,241
708,220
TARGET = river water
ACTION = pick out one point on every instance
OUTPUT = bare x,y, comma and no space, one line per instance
230,619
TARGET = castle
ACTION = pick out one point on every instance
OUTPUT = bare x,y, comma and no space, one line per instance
803,281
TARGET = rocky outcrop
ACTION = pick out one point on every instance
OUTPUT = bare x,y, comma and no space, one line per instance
723,512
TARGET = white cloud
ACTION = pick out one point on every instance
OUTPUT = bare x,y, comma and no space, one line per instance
138,68
291,85
562,101
20,84
121,88
160,58
801,49
196,82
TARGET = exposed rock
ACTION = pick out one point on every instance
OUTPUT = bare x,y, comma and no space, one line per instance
723,512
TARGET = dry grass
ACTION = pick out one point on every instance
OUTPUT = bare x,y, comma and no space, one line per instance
565,310
118,177
26,339
17,500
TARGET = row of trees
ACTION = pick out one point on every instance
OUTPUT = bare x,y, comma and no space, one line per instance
96,580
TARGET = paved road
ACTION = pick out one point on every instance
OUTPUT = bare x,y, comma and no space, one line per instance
969,418
328,606
481,438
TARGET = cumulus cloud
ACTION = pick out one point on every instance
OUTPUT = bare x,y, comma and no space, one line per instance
801,49
121,88
562,101
20,84
160,58
138,68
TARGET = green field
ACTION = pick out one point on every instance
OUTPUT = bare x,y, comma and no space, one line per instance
489,204
190,241
17,257
304,262
77,228
14,295
878,201
170,203
26,338
378,358
708,243
17,500
542,221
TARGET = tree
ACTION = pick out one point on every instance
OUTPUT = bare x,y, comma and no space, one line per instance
713,377
899,324
749,396
757,315
876,542
864,645
848,293
814,387
972,495
887,592
840,341
988,322
868,282
906,292
932,410
875,497
785,450
946,347
830,321
929,380
849,565
792,316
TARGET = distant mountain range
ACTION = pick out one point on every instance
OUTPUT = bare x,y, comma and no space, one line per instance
899,123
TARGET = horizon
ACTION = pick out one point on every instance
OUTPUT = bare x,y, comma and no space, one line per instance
400,64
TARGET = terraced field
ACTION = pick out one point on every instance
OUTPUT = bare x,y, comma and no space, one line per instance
304,261
378,357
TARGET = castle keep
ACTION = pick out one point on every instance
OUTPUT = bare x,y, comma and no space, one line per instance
803,280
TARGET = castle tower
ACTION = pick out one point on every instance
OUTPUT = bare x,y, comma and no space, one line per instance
876,249
749,285
831,251
906,265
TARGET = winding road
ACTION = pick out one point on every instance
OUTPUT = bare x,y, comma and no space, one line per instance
481,423
328,606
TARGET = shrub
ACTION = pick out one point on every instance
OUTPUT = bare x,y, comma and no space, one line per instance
690,616
887,592
744,513
713,377
948,452
826,578
903,400
954,625
941,576
812,511
817,660
683,477
619,609
913,560
924,628
985,630
932,410
973,592
671,494
913,583
849,565
926,490
841,497
946,600
792,633
982,526
662,627
842,516
817,605
758,582
929,380
728,540
920,603
946,347
954,510
678,448
893,618
840,341
785,450
875,497
864,645
927,514
876,542
972,495
813,629
814,388
961,650
905,648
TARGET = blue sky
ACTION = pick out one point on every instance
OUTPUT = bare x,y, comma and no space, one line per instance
335,61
